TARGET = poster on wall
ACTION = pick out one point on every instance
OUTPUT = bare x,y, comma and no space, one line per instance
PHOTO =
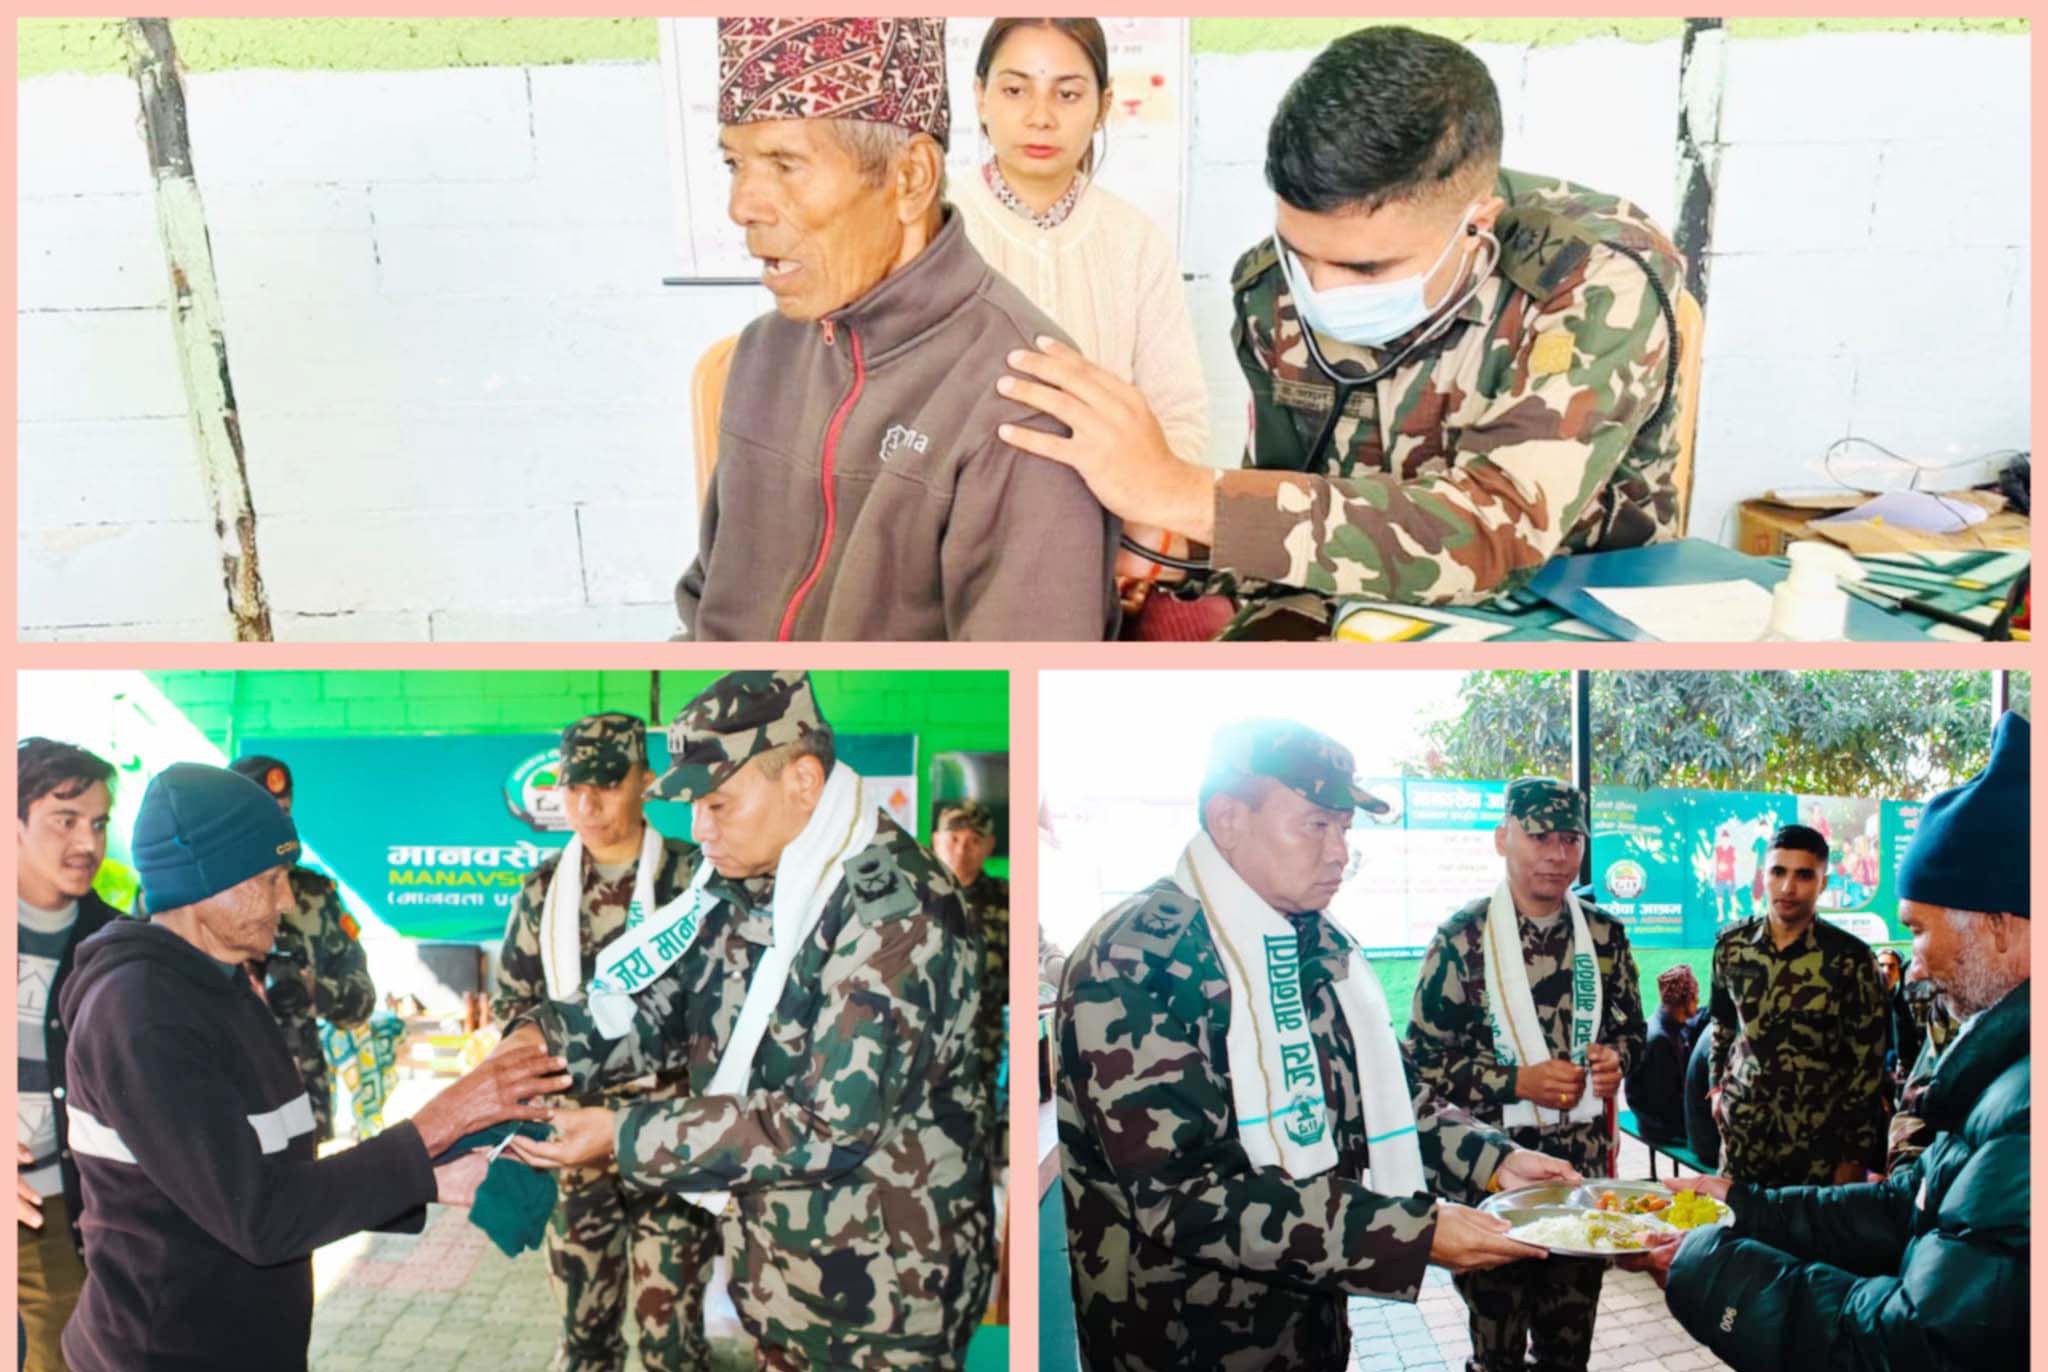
438,832
1678,866
1147,130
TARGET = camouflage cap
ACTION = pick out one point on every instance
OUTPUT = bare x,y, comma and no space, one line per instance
1313,765
738,716
1545,805
967,814
598,750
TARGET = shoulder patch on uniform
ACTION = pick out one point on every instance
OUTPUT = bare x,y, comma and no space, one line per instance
1261,259
1153,926
350,927
1740,929
1540,249
877,886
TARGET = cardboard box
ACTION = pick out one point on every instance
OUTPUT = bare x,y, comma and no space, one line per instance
1763,528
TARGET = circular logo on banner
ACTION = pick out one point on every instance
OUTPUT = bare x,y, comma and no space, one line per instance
1626,879
531,796
1304,1119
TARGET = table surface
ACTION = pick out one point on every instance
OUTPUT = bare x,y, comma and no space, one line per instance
1970,584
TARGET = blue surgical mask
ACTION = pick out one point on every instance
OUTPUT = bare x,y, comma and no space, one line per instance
1374,314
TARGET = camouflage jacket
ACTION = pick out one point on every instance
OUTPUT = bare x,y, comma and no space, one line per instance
316,970
1450,1035
863,1231
1185,1254
1541,421
1798,1052
522,978
988,908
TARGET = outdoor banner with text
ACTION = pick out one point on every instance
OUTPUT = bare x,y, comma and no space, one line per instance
437,833
1676,866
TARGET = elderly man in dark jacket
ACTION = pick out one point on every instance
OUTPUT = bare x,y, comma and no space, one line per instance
1926,1270
204,1198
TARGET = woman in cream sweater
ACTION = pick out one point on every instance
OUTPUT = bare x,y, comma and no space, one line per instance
1091,260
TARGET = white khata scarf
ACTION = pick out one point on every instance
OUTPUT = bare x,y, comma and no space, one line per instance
1519,1041
1276,1072
561,911
809,871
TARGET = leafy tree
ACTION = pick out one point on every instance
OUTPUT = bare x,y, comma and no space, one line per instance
1896,734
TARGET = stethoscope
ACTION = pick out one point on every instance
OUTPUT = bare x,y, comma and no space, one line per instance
1348,382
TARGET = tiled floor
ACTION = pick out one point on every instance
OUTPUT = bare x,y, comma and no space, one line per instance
447,1299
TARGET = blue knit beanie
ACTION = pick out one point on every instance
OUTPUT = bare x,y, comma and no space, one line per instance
203,829
1970,851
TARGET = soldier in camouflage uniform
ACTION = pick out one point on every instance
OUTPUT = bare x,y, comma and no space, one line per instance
1185,1253
1540,1311
1524,407
1799,1026
860,1228
606,1239
316,969
963,838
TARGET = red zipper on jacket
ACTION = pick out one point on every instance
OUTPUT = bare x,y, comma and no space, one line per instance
803,589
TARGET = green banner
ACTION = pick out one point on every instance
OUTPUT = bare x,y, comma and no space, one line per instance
1681,865
436,833
1676,866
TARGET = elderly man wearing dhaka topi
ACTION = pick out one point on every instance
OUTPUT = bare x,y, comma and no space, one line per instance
861,491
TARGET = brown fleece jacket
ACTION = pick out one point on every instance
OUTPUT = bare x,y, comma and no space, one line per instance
861,491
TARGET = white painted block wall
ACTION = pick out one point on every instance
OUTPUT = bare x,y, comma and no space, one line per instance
465,392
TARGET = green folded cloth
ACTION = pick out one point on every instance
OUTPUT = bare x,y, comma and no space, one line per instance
513,1201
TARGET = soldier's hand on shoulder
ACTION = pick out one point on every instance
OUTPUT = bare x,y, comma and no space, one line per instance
1113,441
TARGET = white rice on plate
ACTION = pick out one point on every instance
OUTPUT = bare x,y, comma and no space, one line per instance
1597,1231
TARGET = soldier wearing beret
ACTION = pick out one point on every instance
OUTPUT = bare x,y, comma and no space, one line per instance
1243,1143
818,985
1528,1014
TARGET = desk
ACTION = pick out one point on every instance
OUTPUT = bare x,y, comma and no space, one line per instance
1970,584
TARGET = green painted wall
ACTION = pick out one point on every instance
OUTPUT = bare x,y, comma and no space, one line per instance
94,45
948,711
